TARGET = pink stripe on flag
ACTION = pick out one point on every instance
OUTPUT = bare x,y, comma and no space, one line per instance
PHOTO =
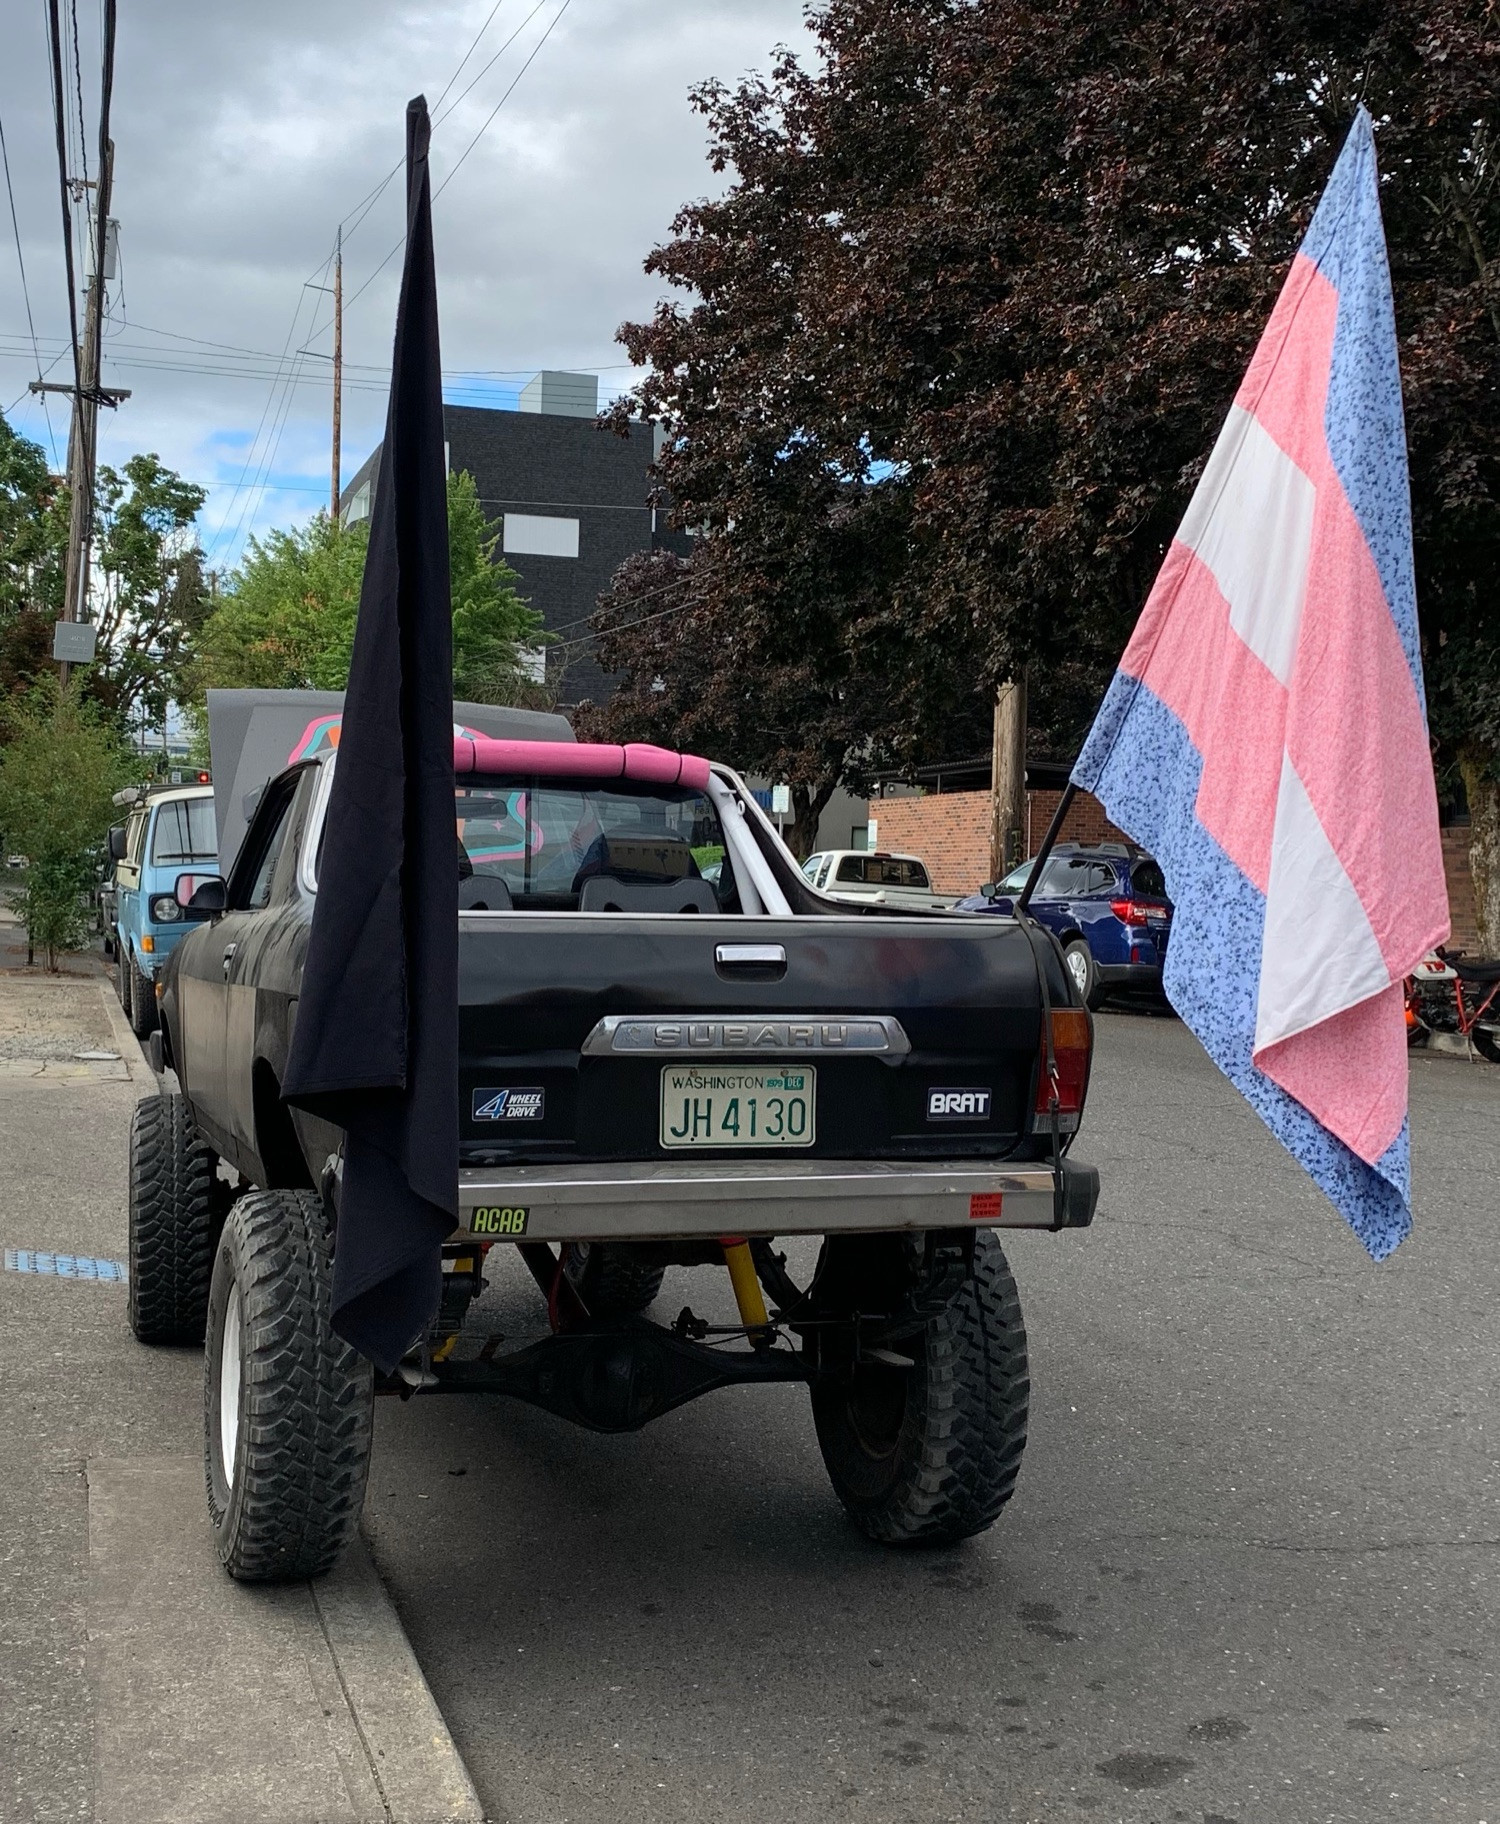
1381,821
1234,711
1349,1072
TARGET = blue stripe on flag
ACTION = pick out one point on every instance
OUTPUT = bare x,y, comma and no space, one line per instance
66,1266
1363,419
1139,763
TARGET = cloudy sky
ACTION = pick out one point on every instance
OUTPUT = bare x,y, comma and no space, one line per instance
244,135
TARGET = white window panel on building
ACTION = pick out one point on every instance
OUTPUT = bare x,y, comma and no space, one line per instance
532,663
540,535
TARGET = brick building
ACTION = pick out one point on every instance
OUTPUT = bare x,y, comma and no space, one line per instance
948,825
950,829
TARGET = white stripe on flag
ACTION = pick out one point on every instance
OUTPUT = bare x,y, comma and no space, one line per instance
1319,954
1250,521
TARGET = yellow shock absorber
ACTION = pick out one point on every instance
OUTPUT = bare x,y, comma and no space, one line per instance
746,1282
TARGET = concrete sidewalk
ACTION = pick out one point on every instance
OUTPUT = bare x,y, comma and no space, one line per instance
137,1682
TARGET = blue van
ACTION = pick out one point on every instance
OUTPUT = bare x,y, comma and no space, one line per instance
170,831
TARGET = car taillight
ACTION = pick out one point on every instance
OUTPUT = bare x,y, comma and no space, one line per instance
1133,911
1069,1074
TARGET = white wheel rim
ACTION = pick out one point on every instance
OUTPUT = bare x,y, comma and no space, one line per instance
1078,968
229,1386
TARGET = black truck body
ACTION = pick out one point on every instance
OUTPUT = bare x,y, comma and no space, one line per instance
579,1013
672,1052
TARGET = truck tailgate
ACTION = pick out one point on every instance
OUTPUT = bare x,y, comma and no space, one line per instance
736,1024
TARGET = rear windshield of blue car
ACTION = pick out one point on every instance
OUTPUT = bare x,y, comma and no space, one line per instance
1148,881
185,832
545,838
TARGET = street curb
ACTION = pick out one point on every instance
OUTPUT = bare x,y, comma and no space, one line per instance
136,1062
296,1703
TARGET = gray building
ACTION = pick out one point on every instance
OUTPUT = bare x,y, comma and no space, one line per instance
571,500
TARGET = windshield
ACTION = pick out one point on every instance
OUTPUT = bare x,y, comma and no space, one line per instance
185,832
881,871
1147,880
547,839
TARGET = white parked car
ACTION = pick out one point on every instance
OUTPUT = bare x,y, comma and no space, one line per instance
865,878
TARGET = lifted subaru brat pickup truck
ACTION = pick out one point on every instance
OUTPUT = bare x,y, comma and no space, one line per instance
656,1069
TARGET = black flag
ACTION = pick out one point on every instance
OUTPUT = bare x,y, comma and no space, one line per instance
375,1049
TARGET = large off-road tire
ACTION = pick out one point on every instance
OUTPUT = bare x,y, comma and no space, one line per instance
174,1217
141,1007
930,1454
611,1280
287,1404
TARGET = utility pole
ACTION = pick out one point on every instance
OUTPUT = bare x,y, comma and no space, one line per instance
338,365
83,442
1008,779
87,393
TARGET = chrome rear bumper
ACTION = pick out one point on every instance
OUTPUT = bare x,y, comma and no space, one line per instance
662,1200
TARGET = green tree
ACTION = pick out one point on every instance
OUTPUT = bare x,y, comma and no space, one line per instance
149,600
33,544
59,769
978,295
286,617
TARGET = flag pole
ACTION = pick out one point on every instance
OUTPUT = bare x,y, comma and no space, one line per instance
1070,792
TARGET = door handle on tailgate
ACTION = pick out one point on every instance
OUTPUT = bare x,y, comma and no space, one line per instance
750,956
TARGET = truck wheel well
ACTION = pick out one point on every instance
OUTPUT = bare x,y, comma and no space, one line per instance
276,1143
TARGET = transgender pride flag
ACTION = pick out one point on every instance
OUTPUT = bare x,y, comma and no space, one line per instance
1266,735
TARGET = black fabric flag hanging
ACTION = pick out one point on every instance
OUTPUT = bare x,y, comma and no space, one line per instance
375,1049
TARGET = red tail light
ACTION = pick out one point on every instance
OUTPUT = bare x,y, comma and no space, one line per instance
1133,911
1069,1076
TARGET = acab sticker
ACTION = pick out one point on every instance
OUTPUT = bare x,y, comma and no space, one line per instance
498,1219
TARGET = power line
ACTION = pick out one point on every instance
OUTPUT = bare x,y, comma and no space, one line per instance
367,202
439,116
83,143
504,98
26,290
265,410
472,143
58,112
474,46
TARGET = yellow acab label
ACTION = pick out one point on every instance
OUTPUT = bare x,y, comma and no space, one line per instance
498,1219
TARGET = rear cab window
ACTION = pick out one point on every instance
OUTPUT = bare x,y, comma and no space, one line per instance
545,839
881,871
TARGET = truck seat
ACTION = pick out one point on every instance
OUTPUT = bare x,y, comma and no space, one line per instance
484,893
602,893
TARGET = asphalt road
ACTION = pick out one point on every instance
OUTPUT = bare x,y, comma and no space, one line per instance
1252,1571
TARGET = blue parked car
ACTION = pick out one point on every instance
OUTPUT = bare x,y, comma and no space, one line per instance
1107,904
168,832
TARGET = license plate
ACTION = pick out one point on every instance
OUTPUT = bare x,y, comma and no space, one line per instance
767,1107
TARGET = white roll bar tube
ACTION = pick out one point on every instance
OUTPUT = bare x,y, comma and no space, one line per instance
751,869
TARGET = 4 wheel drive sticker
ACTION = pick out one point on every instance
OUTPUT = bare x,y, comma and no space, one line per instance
493,1219
509,1104
958,1105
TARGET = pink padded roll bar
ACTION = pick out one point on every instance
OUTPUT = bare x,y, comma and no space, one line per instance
579,760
